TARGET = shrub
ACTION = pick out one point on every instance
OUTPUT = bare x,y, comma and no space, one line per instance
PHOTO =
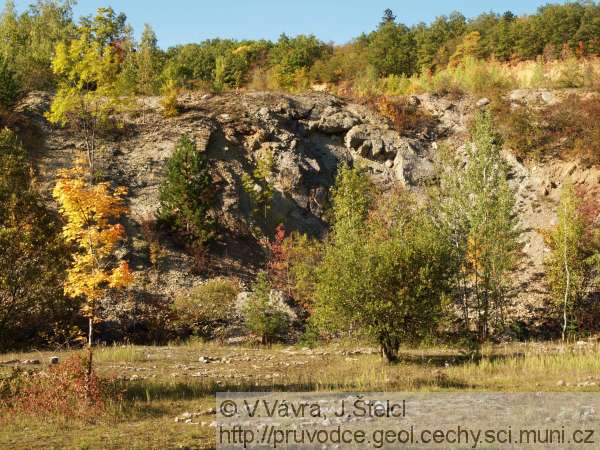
291,265
63,392
257,185
569,128
169,99
9,88
208,308
406,117
262,316
525,132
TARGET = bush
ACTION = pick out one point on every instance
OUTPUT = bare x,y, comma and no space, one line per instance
169,99
405,117
9,88
257,185
569,128
208,308
62,392
262,316
291,265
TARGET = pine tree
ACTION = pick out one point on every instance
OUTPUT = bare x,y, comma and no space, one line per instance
388,16
186,195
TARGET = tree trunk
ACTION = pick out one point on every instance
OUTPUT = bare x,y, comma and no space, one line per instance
389,347
567,286
88,376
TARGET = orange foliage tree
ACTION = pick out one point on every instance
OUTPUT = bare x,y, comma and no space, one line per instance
91,212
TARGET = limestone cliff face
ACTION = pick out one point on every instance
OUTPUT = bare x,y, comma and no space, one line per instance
308,136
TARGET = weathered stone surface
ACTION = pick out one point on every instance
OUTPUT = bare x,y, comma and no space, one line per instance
307,136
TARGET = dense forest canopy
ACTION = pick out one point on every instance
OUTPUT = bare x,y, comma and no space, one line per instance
28,41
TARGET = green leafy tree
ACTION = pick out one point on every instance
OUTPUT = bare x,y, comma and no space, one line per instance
478,208
435,43
385,271
149,62
392,49
28,40
187,193
291,57
569,264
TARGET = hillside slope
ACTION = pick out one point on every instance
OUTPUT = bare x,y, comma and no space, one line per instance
307,136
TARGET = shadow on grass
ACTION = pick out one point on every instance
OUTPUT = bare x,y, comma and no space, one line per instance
457,360
442,382
149,391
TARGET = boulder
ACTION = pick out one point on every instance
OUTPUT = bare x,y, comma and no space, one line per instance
548,97
337,122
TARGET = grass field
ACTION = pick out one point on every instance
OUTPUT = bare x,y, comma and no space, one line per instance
163,383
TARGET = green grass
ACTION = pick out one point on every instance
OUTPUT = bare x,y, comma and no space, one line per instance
163,382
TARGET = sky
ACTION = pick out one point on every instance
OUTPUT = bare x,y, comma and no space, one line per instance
184,21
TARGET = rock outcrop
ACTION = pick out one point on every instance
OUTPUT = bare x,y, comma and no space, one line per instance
307,137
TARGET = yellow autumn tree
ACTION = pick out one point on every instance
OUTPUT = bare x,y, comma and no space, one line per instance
468,48
88,68
91,212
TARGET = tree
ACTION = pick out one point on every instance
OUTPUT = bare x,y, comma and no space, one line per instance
568,265
292,56
388,16
468,48
392,50
148,62
89,87
33,256
385,272
187,193
478,209
9,88
28,40
91,212
505,37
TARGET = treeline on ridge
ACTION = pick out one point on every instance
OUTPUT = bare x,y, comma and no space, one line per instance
28,41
